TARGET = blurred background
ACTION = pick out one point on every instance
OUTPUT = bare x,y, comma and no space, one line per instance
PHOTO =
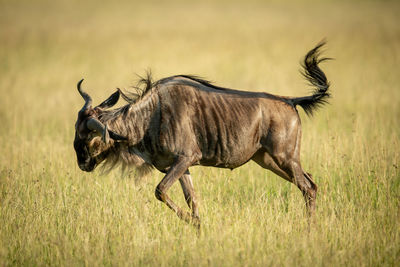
53,214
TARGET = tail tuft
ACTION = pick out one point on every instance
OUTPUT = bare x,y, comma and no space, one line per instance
316,78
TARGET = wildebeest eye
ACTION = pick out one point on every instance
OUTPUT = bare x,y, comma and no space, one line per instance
81,131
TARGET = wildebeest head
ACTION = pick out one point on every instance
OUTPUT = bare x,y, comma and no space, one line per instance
92,138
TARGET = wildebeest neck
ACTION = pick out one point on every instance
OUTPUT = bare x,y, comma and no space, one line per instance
133,120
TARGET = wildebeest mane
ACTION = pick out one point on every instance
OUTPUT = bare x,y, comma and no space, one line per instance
198,82
142,87
193,78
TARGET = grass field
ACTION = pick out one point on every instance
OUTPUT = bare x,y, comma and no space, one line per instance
52,213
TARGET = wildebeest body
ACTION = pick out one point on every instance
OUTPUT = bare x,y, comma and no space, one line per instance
182,121
222,128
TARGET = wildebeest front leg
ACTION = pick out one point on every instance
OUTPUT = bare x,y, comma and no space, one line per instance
190,196
174,173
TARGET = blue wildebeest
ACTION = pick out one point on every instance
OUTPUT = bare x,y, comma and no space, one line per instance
182,121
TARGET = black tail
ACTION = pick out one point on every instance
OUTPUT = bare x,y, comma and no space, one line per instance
316,77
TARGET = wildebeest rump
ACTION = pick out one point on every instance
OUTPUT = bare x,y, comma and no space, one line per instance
182,121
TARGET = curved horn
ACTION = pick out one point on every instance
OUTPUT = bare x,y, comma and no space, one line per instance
86,97
95,125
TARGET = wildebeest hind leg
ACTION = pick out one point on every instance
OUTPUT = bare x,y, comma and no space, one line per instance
265,160
304,182
311,193
291,171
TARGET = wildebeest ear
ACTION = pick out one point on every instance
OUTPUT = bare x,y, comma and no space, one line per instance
109,102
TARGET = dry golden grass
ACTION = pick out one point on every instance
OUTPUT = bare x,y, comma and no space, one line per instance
51,213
